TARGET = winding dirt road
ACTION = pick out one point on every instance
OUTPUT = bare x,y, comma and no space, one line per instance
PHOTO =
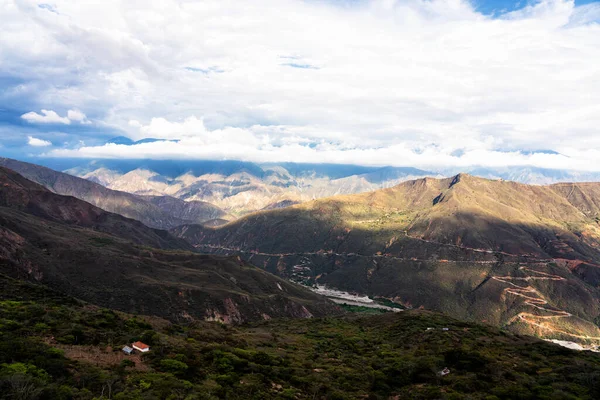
535,299
330,253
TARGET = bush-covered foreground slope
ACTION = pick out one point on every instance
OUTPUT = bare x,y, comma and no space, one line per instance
56,347
522,256
117,262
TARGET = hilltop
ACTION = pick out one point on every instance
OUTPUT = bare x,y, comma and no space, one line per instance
511,254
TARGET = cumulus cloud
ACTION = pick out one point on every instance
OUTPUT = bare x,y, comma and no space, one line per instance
77,116
46,117
51,117
35,142
384,81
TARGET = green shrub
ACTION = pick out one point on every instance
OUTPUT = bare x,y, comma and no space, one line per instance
173,366
18,368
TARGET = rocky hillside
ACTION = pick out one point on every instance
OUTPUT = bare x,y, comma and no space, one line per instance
511,254
109,260
20,196
198,211
162,213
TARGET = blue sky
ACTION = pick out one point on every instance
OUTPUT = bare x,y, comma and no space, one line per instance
423,83
498,7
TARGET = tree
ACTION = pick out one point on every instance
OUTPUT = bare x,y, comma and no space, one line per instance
21,387
173,366
22,381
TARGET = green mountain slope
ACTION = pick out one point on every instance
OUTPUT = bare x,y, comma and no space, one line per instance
506,253
120,263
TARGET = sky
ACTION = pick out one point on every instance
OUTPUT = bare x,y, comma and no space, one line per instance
420,83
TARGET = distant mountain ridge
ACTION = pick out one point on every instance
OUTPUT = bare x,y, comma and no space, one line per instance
175,168
240,187
522,256
528,175
123,140
147,210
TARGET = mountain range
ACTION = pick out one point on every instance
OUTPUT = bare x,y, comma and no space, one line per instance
518,256
109,260
241,188
523,257
77,283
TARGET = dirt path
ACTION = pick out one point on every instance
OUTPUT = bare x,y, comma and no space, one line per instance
531,295
330,253
536,300
465,248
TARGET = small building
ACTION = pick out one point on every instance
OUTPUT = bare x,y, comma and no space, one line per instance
139,346
127,350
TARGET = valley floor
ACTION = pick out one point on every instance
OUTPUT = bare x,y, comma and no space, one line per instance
341,297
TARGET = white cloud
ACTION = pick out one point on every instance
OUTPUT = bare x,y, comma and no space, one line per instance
32,141
47,117
258,144
78,116
394,81
51,117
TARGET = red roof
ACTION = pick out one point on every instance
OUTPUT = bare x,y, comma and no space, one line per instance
140,345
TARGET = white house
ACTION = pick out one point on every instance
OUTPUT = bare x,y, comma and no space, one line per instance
139,346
